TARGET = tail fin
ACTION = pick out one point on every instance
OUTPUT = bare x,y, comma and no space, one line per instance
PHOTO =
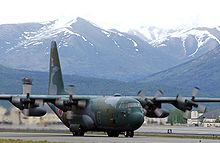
56,85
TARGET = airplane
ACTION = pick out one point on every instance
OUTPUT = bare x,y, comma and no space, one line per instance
111,114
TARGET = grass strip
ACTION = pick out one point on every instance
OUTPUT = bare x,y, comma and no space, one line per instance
180,136
22,141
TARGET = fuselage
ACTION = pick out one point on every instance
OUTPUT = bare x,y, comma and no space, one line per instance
108,114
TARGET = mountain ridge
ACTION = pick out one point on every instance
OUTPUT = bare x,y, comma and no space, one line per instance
89,50
202,72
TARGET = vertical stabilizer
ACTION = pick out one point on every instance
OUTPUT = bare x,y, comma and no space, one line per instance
56,85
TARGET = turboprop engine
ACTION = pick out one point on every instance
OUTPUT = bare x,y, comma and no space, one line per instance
152,108
28,106
186,105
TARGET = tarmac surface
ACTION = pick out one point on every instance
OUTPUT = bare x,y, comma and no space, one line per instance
91,138
60,133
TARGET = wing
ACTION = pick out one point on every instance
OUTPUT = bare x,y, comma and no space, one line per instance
152,105
32,105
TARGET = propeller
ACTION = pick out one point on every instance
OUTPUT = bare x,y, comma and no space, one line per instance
195,91
141,94
158,93
151,107
186,105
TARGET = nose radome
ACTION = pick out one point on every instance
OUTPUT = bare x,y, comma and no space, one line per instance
136,119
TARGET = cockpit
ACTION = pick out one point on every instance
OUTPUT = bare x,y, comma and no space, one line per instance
129,105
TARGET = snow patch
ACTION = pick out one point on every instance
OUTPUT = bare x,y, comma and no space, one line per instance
49,30
84,38
8,43
106,33
116,43
134,43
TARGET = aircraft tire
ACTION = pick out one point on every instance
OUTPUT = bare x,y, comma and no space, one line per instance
126,134
110,133
81,133
129,134
116,134
113,134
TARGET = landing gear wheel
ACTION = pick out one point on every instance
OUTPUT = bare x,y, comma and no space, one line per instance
81,133
126,134
110,134
116,134
113,134
129,134
74,133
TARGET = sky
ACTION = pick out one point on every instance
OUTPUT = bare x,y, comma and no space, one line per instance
119,14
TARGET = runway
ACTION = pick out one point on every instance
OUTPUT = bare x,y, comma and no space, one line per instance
60,133
94,138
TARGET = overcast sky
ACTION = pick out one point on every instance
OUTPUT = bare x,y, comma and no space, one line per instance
121,14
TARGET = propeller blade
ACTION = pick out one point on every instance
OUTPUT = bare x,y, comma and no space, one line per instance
158,112
195,91
158,93
201,108
141,94
187,114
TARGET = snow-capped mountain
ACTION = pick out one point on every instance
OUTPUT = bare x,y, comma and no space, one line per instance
183,43
89,50
85,49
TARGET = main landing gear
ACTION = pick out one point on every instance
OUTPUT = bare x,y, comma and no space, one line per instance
76,130
80,133
129,134
113,133
116,134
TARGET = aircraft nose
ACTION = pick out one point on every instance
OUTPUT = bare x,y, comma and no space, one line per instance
136,119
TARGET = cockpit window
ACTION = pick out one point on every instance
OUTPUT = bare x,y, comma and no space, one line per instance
129,105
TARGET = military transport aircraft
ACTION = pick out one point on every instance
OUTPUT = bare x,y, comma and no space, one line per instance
81,113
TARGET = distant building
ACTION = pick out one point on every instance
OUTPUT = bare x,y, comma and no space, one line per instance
195,119
2,114
159,121
208,119
16,117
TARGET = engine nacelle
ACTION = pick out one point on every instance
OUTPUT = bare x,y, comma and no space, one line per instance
158,113
184,104
81,103
37,111
16,101
59,103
